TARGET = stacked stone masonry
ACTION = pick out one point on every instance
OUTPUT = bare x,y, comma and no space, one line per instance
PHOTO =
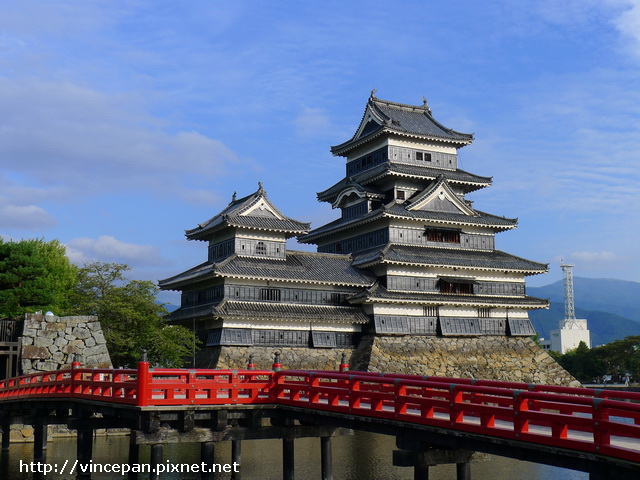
51,343
515,359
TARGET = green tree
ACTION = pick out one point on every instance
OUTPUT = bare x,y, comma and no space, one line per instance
130,316
35,275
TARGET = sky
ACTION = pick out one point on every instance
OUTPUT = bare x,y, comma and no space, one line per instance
123,123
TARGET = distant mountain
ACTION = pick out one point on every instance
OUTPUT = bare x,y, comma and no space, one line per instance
610,306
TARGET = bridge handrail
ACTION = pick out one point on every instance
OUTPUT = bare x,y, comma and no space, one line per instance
540,414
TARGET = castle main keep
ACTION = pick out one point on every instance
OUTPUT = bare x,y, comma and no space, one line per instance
407,279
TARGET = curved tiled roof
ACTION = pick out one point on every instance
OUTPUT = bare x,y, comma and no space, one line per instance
380,293
305,267
399,211
403,119
265,311
415,255
460,177
308,267
230,309
234,215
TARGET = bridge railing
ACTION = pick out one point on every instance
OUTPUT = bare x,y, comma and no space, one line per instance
164,386
589,420
576,418
114,385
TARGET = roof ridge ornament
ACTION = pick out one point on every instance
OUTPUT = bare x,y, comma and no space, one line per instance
426,105
373,92
260,187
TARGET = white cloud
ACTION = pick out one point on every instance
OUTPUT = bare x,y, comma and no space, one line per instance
594,256
312,121
61,134
109,249
27,217
628,23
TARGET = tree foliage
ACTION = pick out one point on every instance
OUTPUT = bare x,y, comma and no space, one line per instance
130,317
35,275
617,358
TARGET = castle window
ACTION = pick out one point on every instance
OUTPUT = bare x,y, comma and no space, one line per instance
400,194
270,294
442,235
461,286
261,248
335,298
430,311
418,155
484,312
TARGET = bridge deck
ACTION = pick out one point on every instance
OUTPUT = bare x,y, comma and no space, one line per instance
602,424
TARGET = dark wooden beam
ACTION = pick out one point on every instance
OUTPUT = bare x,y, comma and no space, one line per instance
199,435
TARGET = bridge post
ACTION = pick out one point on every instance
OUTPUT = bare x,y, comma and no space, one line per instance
39,440
277,366
157,451
463,471
84,447
236,450
344,364
421,472
6,434
326,458
207,454
134,452
288,459
144,378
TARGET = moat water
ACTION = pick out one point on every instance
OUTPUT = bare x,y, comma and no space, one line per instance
363,456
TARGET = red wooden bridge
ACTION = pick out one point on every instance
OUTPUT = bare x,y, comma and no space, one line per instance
598,426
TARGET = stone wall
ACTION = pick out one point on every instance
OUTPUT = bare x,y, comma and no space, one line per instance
290,357
52,343
516,359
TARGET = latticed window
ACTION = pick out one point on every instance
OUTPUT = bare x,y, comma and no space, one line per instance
484,312
270,294
455,287
442,235
430,311
261,248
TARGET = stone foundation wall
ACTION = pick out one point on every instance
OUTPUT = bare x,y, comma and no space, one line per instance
516,359
52,343
290,357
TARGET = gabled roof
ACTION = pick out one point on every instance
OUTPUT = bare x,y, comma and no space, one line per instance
378,293
468,181
384,117
297,267
439,197
396,210
448,257
254,211
354,188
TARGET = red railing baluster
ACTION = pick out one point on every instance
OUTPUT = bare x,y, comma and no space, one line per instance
143,384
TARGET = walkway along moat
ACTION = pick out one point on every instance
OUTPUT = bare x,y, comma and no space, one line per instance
435,420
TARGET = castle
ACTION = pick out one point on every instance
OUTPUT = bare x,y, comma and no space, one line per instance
408,271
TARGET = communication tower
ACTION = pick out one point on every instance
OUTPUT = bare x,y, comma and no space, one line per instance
572,330
569,304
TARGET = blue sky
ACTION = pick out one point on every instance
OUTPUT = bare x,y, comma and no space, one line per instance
124,123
